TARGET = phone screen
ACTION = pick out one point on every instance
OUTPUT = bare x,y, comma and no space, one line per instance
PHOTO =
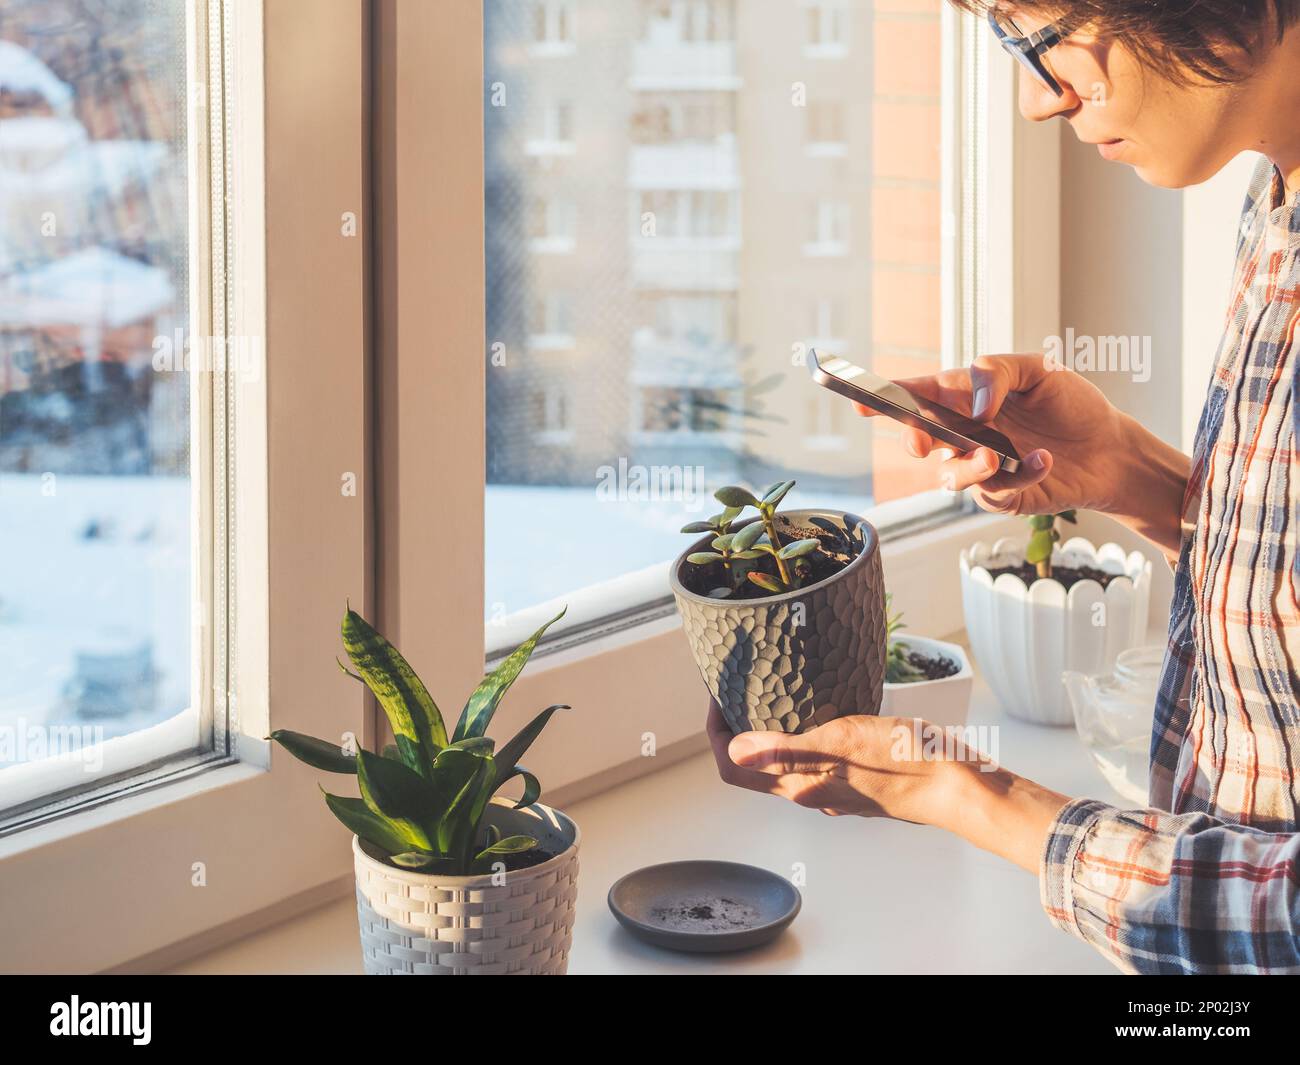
892,399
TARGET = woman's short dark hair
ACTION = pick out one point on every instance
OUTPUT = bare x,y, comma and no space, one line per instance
1185,40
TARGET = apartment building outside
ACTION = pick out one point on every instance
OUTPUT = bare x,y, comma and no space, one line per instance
695,191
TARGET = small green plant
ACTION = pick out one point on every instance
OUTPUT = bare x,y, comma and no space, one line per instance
1042,537
744,551
898,668
423,800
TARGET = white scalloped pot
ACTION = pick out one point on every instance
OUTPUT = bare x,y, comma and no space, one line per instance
520,922
940,702
1025,638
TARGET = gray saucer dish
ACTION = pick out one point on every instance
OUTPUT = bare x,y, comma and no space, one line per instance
704,906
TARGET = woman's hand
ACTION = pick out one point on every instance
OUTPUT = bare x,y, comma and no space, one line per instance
878,767
1072,441
853,765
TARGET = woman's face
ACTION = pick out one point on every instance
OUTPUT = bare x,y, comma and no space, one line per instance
1173,135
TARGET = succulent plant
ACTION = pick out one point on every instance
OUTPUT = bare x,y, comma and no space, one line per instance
744,551
1042,538
898,668
423,799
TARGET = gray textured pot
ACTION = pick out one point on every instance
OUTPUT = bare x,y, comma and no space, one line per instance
792,662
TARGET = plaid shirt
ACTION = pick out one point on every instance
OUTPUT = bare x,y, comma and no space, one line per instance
1208,880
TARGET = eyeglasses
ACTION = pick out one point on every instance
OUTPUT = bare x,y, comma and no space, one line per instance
1028,49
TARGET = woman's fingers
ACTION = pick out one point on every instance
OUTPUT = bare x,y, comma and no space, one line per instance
720,736
982,468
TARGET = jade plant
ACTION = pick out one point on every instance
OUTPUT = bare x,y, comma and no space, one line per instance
423,799
1043,537
753,552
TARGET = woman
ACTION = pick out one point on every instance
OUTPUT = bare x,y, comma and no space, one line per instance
1208,878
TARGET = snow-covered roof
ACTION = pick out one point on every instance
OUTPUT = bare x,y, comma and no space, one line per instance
22,72
43,156
94,287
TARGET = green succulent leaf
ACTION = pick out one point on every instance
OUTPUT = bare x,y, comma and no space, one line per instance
753,552
766,581
1039,548
747,536
364,822
508,757
798,548
723,521
417,723
734,496
532,787
318,754
699,527
773,496
483,861
476,716
703,558
1069,515
722,543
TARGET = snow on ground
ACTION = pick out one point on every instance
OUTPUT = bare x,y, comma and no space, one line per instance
62,592
543,542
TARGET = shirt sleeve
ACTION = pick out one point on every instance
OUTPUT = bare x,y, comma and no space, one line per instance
1174,893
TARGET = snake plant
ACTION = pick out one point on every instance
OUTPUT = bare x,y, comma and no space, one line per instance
423,799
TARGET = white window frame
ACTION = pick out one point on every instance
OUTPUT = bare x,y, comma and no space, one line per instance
832,229
265,843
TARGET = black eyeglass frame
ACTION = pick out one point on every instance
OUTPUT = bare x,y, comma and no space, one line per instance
1028,50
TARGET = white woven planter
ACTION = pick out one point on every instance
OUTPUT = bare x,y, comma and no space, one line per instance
940,702
520,922
1024,638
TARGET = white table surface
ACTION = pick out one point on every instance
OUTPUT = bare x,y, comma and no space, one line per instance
879,897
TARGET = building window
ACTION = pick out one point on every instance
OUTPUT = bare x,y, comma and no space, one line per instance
550,415
553,28
555,137
829,229
551,226
828,29
824,131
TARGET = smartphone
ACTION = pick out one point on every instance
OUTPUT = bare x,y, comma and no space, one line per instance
894,401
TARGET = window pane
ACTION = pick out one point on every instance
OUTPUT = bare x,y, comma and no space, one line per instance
742,180
95,611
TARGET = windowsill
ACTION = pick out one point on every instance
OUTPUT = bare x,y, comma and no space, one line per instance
869,903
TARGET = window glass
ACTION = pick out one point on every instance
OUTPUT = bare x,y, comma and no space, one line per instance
742,180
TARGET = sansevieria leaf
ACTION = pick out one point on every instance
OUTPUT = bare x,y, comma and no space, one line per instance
532,786
417,724
399,795
483,703
318,754
510,845
508,756
459,822
364,822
